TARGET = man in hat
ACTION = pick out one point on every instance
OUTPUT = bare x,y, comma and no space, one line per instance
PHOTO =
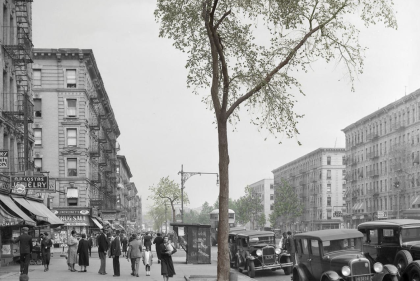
25,249
102,249
116,253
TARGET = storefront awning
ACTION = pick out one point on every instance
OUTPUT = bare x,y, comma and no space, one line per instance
118,226
416,201
7,219
361,207
97,223
41,212
15,209
72,193
355,206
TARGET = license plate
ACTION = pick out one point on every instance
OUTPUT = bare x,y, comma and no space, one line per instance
269,256
363,278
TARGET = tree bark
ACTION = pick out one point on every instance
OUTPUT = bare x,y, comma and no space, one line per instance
223,264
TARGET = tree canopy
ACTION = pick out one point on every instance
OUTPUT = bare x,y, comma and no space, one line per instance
250,207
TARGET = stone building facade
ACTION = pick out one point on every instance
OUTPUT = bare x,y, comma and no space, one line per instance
318,179
382,151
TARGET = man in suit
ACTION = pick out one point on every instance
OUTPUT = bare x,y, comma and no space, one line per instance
116,253
290,247
157,241
134,253
102,249
25,250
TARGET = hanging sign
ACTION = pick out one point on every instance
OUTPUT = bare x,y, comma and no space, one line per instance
4,159
32,183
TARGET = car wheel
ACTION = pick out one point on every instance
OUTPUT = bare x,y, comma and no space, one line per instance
402,259
414,274
288,270
251,269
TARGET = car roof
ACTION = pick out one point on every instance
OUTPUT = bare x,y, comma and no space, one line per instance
330,234
248,233
390,223
236,230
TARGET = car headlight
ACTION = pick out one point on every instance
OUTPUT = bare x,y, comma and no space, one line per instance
378,267
278,251
259,253
345,270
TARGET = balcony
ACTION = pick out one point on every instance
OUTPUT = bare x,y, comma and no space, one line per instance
397,126
397,167
352,161
94,149
14,108
373,155
373,173
103,161
303,182
94,123
372,136
102,136
302,171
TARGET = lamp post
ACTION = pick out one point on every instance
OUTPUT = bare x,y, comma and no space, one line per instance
184,177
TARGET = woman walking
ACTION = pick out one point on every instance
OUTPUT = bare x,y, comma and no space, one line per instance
83,251
72,243
147,257
124,243
166,266
46,245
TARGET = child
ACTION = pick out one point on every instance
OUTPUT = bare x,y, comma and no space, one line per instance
147,257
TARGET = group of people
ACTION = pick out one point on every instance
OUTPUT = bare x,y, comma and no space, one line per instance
287,243
135,248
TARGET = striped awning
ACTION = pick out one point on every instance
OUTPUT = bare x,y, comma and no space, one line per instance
6,219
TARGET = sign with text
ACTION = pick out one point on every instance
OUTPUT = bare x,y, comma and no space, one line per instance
109,216
96,202
32,183
4,159
337,214
382,215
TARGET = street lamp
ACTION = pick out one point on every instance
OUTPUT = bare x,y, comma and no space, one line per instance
184,177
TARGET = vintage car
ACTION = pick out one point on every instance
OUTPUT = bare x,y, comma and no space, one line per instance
232,243
337,254
393,241
256,250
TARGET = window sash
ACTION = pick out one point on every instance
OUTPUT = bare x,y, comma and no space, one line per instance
71,107
72,167
38,137
38,162
71,76
71,137
36,77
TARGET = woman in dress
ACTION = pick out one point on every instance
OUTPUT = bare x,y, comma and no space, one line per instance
166,266
72,243
124,243
46,245
83,251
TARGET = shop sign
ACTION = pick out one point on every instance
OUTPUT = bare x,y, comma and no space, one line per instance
109,216
69,212
96,202
33,183
4,159
95,212
362,217
382,214
353,217
74,220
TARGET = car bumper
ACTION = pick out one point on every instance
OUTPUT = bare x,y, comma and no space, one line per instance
274,266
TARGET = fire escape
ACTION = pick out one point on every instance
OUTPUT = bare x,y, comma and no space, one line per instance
17,107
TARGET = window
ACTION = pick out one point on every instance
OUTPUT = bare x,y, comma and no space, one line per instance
36,77
38,137
271,207
38,107
71,167
71,78
328,201
315,248
328,174
271,186
329,214
71,137
305,248
271,196
329,160
329,188
38,164
71,108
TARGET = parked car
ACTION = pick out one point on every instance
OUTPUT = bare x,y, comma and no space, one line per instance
232,244
337,254
256,250
393,241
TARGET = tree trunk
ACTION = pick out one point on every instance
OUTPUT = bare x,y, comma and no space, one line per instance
223,264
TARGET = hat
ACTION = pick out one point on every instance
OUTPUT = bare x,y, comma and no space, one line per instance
25,228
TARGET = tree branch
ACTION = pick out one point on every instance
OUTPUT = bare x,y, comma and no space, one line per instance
291,54
222,18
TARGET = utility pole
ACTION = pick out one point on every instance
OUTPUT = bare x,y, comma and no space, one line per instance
184,177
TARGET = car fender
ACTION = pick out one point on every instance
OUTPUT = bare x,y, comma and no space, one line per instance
302,272
381,276
415,265
331,275
391,269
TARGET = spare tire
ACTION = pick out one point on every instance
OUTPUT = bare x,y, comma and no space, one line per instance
402,259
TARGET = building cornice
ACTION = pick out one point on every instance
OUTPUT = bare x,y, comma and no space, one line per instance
125,164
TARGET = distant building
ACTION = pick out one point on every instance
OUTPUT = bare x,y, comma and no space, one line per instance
382,151
265,189
318,179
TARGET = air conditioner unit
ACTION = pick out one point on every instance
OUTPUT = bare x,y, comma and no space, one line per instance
38,169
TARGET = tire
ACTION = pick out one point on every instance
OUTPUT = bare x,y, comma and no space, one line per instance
288,270
402,259
251,269
296,276
414,274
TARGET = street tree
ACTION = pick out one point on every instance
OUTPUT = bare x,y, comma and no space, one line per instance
250,207
167,191
287,205
241,69
261,220
157,213
191,217
204,217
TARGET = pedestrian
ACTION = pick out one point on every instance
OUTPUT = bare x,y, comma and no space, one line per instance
25,250
90,245
116,253
166,266
124,243
283,240
290,247
147,257
134,253
83,251
102,249
157,241
147,241
46,245
73,244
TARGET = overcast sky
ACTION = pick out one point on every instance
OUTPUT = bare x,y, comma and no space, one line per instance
163,125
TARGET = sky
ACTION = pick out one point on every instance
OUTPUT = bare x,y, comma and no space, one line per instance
164,125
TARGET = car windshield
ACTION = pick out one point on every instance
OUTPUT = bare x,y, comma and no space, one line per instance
262,239
342,244
410,234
